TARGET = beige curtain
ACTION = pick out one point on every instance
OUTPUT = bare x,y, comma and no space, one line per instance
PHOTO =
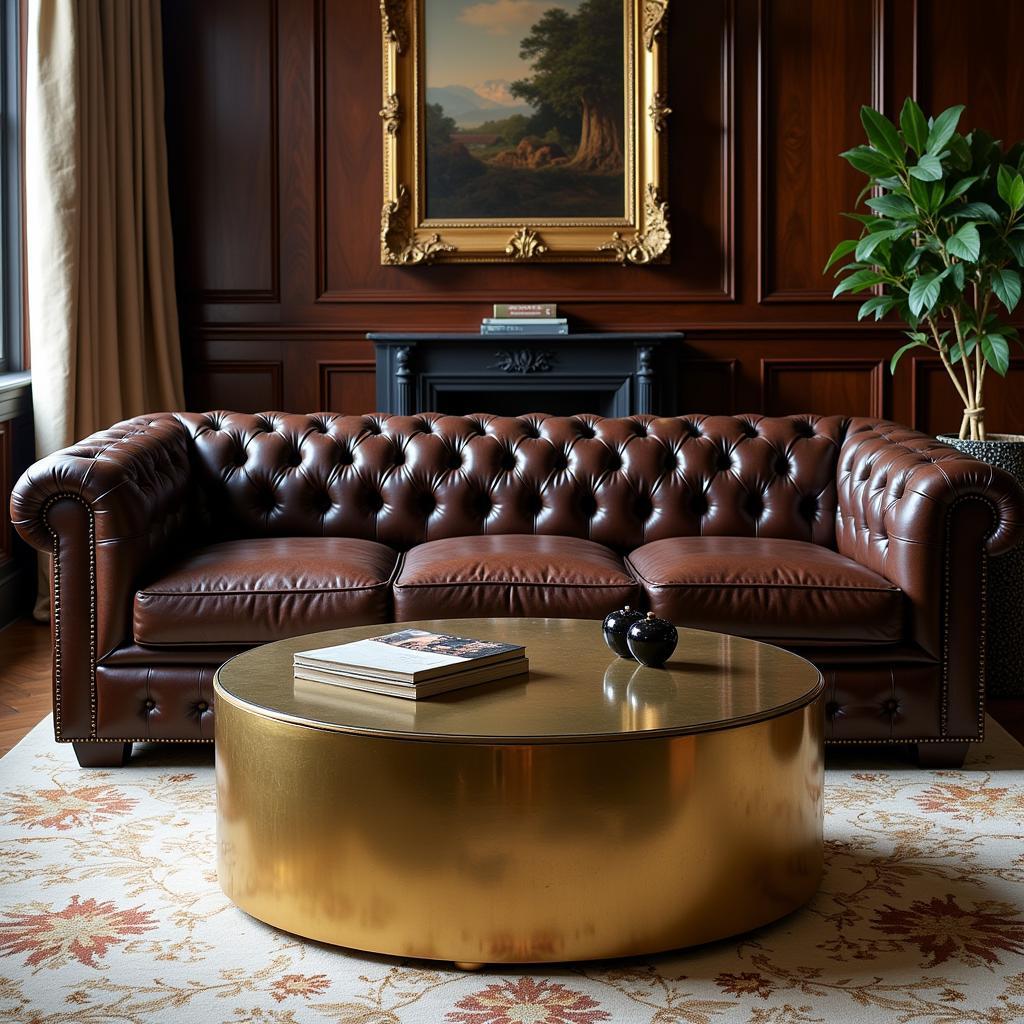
102,317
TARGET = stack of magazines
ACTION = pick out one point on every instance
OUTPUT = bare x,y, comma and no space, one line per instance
411,663
527,318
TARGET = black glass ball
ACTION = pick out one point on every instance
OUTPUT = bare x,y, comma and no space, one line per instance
616,625
652,640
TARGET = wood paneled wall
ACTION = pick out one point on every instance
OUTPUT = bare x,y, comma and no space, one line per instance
274,138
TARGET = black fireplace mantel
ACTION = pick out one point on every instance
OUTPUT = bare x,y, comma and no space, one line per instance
612,374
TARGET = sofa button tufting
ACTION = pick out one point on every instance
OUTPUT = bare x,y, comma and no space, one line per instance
149,705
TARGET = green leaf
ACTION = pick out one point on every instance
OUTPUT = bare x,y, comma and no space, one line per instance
966,243
912,260
892,206
901,351
975,210
1006,285
858,282
960,188
942,128
848,268
920,194
882,134
959,275
878,304
928,168
914,125
996,351
924,293
869,161
867,219
844,248
1017,193
959,154
869,243
1004,184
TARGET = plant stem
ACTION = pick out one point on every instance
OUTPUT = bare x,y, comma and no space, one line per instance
980,363
952,374
970,404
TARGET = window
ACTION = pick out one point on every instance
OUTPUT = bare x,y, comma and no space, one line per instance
10,190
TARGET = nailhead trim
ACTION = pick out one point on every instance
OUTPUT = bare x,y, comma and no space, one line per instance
130,739
946,603
829,742
57,637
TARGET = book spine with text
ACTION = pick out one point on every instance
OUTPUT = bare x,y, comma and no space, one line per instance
525,309
521,329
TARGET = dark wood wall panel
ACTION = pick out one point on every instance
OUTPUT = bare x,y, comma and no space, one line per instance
17,560
6,485
819,64
853,387
222,109
274,137
242,385
347,385
971,55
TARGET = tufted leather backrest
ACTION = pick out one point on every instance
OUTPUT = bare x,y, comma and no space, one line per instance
622,482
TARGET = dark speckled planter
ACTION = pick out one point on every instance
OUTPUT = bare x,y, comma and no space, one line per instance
1005,655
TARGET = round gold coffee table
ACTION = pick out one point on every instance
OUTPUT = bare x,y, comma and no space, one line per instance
595,809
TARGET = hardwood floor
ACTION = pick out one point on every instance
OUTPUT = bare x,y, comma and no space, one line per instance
25,685
25,696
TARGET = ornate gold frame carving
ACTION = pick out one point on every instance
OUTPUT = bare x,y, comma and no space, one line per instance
391,115
525,244
409,238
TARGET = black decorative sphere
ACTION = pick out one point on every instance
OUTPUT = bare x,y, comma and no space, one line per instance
652,640
616,624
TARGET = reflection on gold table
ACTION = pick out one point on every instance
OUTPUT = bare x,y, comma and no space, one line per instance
593,809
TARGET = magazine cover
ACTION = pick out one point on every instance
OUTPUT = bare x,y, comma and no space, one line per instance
444,643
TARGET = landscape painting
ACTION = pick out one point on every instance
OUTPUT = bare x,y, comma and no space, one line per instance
524,109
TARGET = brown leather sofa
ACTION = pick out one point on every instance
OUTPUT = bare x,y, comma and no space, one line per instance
180,539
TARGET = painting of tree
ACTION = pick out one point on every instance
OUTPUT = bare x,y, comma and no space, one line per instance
524,108
573,57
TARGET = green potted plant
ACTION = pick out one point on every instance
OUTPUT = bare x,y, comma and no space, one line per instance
942,246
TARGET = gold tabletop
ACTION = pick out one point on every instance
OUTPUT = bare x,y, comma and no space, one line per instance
577,689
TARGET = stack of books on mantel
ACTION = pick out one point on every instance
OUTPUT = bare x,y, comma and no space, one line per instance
411,663
524,318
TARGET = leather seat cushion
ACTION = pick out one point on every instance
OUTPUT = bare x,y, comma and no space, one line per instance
266,588
512,574
786,591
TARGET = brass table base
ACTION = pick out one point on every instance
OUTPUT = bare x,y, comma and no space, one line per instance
518,853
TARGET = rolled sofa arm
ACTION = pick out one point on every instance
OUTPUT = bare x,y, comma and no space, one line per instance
926,517
105,509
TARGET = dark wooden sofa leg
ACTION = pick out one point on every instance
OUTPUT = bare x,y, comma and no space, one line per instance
102,755
941,755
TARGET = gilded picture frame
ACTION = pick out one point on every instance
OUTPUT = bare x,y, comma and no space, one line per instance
421,225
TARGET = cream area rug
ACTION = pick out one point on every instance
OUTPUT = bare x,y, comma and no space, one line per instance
110,914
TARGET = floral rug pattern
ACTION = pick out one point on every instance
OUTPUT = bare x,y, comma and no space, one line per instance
110,914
